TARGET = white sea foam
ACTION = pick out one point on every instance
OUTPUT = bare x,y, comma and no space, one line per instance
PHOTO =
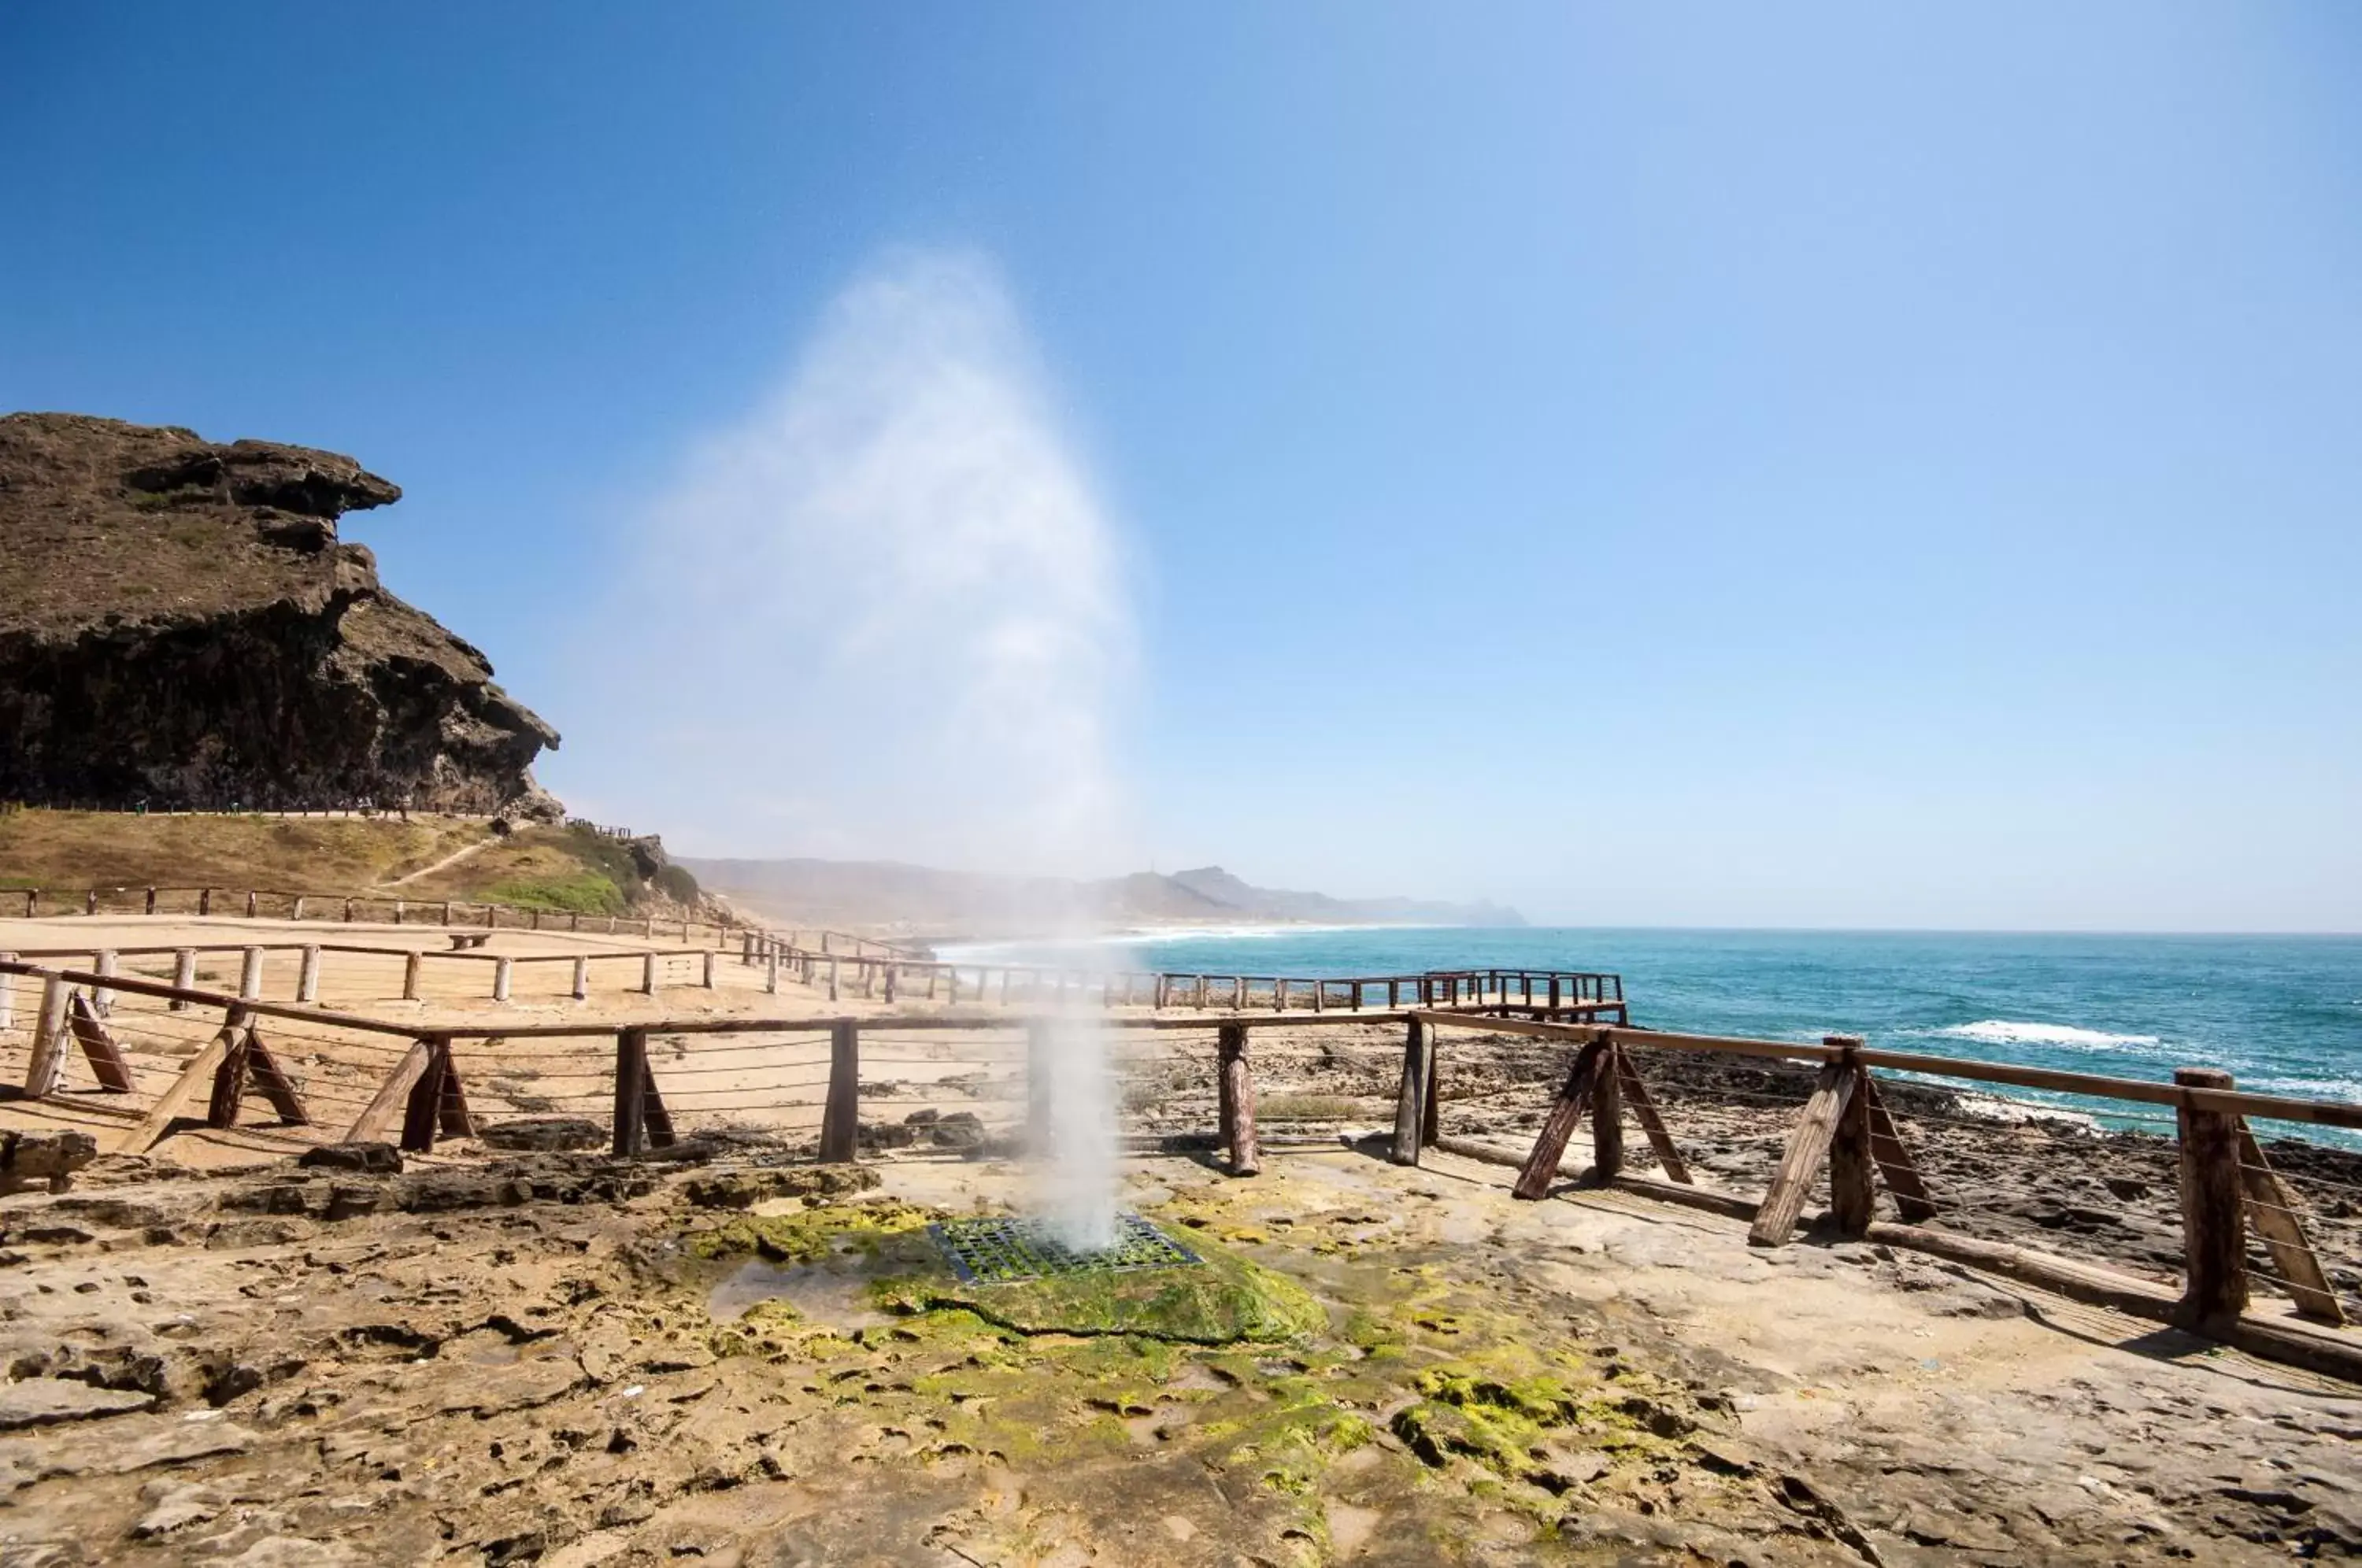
2011,1032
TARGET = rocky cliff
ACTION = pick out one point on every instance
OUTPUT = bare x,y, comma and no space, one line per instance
179,625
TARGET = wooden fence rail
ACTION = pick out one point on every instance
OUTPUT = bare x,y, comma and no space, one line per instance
1845,1127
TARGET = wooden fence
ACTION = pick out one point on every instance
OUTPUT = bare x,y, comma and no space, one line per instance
2243,1223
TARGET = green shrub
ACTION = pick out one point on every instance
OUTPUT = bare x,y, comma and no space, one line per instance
584,892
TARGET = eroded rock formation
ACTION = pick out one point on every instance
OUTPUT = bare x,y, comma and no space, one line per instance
181,625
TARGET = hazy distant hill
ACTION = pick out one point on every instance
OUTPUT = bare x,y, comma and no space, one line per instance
884,892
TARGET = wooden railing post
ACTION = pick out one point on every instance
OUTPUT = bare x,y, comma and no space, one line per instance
1607,1115
205,903
46,1068
249,975
1410,1099
411,964
1852,1201
1041,1126
308,978
102,1000
1238,1100
631,1090
581,990
840,1125
771,969
423,1117
2213,1207
647,973
185,975
503,974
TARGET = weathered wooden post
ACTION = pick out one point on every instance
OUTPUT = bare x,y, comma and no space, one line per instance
205,903
297,914
709,968
447,911
630,1085
307,976
1238,1100
1553,993
1852,1199
832,981
503,972
1279,993
1410,1099
891,970
581,990
249,975
771,970
397,912
348,912
7,994
90,902
840,1124
1606,1114
46,1068
250,904
150,907
649,974
1041,1125
102,1000
2213,1207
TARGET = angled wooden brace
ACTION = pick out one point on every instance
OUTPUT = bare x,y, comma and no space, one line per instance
2271,1209
1541,1166
1644,1107
105,1057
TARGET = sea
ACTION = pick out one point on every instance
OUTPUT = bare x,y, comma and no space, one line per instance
2283,1014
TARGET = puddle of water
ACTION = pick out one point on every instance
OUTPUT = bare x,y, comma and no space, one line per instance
833,1292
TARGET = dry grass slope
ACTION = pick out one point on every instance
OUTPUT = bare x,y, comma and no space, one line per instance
557,869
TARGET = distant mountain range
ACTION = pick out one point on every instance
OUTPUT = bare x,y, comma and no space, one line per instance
921,898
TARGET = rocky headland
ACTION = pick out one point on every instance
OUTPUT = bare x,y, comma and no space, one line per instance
181,625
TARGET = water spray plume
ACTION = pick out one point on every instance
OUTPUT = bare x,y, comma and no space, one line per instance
912,631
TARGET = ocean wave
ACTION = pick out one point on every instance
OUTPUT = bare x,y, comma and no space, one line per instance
2011,1032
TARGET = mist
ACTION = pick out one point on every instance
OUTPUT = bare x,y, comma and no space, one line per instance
885,614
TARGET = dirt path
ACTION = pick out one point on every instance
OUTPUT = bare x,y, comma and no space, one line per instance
443,865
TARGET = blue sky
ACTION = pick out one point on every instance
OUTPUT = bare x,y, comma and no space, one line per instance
1813,465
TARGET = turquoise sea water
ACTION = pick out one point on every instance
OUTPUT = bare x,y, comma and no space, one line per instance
2282,1013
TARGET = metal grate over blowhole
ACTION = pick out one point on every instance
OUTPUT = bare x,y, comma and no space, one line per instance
1003,1252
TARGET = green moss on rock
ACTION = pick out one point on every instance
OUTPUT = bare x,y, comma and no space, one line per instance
1221,1300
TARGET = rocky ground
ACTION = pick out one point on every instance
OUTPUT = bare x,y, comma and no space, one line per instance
2059,1181
733,1356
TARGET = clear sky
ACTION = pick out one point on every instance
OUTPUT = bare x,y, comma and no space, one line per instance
1650,463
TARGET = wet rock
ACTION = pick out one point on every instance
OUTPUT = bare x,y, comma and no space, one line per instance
48,1401
743,1189
378,1159
545,1134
